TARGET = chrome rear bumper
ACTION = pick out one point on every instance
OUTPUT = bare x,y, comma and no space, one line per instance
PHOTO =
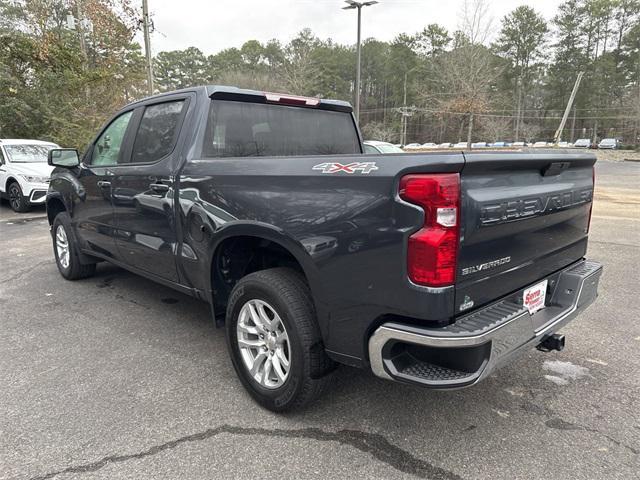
465,352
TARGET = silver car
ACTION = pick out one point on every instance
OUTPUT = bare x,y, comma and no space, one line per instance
609,144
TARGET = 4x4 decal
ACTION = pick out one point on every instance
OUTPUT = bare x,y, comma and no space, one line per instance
355,167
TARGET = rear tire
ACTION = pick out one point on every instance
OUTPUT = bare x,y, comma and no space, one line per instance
67,251
19,203
284,341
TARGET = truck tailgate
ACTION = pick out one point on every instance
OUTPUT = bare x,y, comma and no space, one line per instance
524,216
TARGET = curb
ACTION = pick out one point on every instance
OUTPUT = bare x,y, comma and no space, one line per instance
22,219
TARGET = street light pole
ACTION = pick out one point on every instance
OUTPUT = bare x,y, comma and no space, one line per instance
352,4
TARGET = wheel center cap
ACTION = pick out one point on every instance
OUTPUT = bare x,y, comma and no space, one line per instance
271,342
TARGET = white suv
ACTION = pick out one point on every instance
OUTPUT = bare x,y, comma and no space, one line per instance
24,172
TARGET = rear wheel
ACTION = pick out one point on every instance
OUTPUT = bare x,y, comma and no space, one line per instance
274,340
19,203
66,250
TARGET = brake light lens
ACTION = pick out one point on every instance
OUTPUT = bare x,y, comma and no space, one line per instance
291,99
433,250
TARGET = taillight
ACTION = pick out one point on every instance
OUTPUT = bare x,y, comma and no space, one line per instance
433,250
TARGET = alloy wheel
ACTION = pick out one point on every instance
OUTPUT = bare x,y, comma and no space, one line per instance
14,197
264,344
62,247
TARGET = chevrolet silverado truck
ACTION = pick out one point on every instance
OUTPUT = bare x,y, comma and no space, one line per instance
430,269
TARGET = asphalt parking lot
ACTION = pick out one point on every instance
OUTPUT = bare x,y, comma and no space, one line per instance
117,377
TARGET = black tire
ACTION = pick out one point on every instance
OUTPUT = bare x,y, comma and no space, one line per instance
19,203
75,269
287,292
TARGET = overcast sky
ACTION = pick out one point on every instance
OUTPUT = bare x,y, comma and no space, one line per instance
213,25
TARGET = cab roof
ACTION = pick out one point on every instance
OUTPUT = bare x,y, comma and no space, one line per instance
223,92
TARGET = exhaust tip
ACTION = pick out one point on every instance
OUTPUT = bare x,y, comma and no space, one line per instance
552,342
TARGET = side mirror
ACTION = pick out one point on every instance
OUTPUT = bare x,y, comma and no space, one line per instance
63,157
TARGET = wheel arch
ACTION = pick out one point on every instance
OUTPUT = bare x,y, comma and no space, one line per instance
54,205
10,179
269,247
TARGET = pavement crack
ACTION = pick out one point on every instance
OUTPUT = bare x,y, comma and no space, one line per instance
560,424
22,273
375,444
557,423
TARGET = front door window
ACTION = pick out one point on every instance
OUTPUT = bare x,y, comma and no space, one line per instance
107,149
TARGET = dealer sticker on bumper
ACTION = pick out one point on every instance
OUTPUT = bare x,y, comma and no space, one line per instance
533,297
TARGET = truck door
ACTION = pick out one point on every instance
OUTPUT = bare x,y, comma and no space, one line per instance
93,215
143,189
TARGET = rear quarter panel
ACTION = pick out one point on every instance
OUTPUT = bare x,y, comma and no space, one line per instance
347,230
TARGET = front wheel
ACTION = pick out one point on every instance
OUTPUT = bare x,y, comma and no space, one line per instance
274,339
19,203
66,250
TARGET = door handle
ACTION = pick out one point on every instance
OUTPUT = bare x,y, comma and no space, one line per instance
159,187
104,184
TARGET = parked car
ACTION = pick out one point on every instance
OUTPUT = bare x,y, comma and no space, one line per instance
24,172
373,146
479,145
609,144
582,143
540,145
500,144
564,144
519,144
412,146
445,145
312,254
460,145
429,145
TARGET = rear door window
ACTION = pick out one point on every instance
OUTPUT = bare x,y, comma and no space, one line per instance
158,132
243,129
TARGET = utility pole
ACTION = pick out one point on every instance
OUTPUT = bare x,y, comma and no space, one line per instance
404,112
558,134
352,4
83,42
519,109
573,125
147,45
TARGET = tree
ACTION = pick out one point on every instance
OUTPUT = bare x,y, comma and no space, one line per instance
58,87
179,69
463,77
380,131
433,40
530,132
521,42
299,69
496,128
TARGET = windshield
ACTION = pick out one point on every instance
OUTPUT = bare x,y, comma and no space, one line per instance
28,153
243,129
608,141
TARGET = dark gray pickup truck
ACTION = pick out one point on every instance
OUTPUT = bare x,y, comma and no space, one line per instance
429,269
